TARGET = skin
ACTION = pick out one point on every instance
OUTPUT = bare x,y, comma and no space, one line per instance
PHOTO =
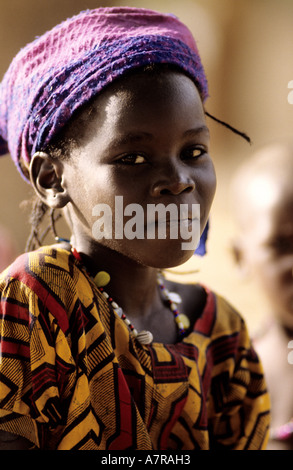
264,252
145,139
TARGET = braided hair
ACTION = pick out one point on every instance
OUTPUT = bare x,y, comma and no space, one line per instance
38,213
60,148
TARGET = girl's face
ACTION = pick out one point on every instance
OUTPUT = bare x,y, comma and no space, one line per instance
147,141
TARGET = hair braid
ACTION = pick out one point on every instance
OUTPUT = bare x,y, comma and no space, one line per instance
38,212
231,128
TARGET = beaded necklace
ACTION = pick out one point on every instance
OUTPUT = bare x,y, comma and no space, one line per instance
102,278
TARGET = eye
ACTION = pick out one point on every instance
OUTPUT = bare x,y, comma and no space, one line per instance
193,153
132,159
282,244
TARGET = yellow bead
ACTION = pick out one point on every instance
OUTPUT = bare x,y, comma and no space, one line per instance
184,320
102,279
180,325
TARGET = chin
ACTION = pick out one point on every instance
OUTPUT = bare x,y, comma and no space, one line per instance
159,254
167,257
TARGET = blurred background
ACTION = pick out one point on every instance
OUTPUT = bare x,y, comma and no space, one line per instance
246,47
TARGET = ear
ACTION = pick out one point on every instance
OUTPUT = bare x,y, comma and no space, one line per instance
46,175
239,258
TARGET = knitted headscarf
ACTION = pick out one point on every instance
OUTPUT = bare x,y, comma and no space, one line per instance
56,74
63,69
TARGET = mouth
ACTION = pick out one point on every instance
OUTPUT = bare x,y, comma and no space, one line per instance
177,229
174,221
180,222
184,216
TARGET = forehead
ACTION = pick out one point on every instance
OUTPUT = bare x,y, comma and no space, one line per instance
270,215
141,97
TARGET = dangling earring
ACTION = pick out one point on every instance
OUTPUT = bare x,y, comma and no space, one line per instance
53,220
201,249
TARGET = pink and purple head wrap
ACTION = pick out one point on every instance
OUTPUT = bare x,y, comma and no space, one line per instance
62,70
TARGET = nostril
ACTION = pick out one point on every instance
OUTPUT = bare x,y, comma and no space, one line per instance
176,188
189,189
173,186
165,191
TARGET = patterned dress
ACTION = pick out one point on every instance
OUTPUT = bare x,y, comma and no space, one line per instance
73,377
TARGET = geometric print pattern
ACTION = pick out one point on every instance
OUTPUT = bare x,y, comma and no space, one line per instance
73,377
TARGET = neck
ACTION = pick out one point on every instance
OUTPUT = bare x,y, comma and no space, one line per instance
132,285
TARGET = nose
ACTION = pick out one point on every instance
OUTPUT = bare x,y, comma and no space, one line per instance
172,181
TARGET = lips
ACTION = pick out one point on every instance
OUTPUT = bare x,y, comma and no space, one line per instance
182,214
169,222
177,229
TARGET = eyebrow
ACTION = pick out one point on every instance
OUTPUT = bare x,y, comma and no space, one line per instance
133,137
198,130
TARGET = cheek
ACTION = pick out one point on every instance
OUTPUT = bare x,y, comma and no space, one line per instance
206,184
208,180
274,276
89,188
269,277
97,186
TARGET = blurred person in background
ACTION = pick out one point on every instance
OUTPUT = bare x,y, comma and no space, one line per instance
262,199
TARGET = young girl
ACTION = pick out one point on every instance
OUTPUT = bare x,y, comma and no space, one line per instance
98,350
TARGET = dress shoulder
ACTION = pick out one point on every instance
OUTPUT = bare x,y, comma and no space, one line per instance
219,317
40,266
47,278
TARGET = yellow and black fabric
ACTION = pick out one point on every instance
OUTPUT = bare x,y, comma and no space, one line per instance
73,377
